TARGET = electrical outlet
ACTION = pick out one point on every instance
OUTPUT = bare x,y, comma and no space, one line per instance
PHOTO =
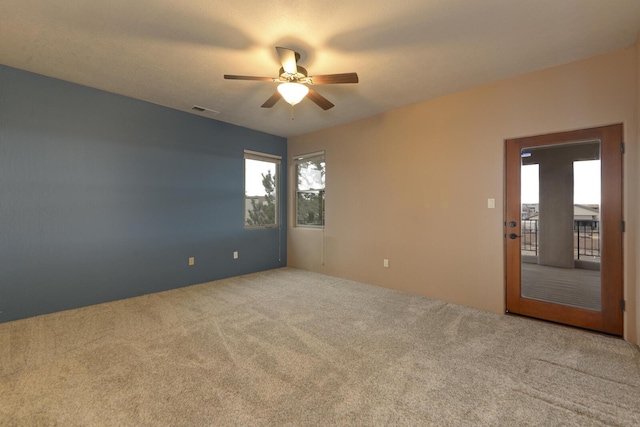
385,263
192,260
235,254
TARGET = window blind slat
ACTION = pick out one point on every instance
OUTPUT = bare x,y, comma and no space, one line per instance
306,157
265,157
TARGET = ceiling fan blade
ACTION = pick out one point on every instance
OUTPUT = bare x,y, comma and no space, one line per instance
288,59
322,102
263,79
328,79
272,100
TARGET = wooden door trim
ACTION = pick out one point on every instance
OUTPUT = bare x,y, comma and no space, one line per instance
610,318
611,218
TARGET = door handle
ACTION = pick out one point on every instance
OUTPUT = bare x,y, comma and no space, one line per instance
513,236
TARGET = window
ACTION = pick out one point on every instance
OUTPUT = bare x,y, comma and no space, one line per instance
310,174
261,178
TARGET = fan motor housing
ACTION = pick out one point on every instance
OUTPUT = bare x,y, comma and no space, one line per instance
301,74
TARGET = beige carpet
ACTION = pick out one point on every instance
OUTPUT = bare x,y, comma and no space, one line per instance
291,348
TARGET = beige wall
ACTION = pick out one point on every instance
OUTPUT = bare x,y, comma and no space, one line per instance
635,177
412,185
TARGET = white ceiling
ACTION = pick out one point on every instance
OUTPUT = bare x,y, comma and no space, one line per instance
174,53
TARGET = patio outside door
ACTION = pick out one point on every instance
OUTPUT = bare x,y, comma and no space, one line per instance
563,228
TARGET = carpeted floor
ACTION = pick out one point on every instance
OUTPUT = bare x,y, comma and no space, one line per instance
292,348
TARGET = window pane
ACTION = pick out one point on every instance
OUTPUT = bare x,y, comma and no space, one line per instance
261,199
311,174
310,208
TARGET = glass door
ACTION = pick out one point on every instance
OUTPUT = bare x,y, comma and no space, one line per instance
563,236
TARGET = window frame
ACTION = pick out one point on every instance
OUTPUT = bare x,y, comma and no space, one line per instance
267,158
297,160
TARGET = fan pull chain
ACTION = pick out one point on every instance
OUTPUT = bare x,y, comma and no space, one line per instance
292,116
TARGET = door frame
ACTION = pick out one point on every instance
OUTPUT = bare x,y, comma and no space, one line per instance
610,318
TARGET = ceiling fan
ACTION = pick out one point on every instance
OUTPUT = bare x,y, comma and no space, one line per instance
293,80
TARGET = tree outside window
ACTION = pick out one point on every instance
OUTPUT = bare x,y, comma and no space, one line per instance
310,188
261,194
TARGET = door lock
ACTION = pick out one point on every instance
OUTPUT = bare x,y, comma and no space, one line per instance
512,223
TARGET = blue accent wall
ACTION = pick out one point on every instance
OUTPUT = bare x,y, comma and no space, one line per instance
105,197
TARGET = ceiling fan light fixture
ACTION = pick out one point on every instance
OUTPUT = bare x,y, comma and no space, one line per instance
293,92
293,80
